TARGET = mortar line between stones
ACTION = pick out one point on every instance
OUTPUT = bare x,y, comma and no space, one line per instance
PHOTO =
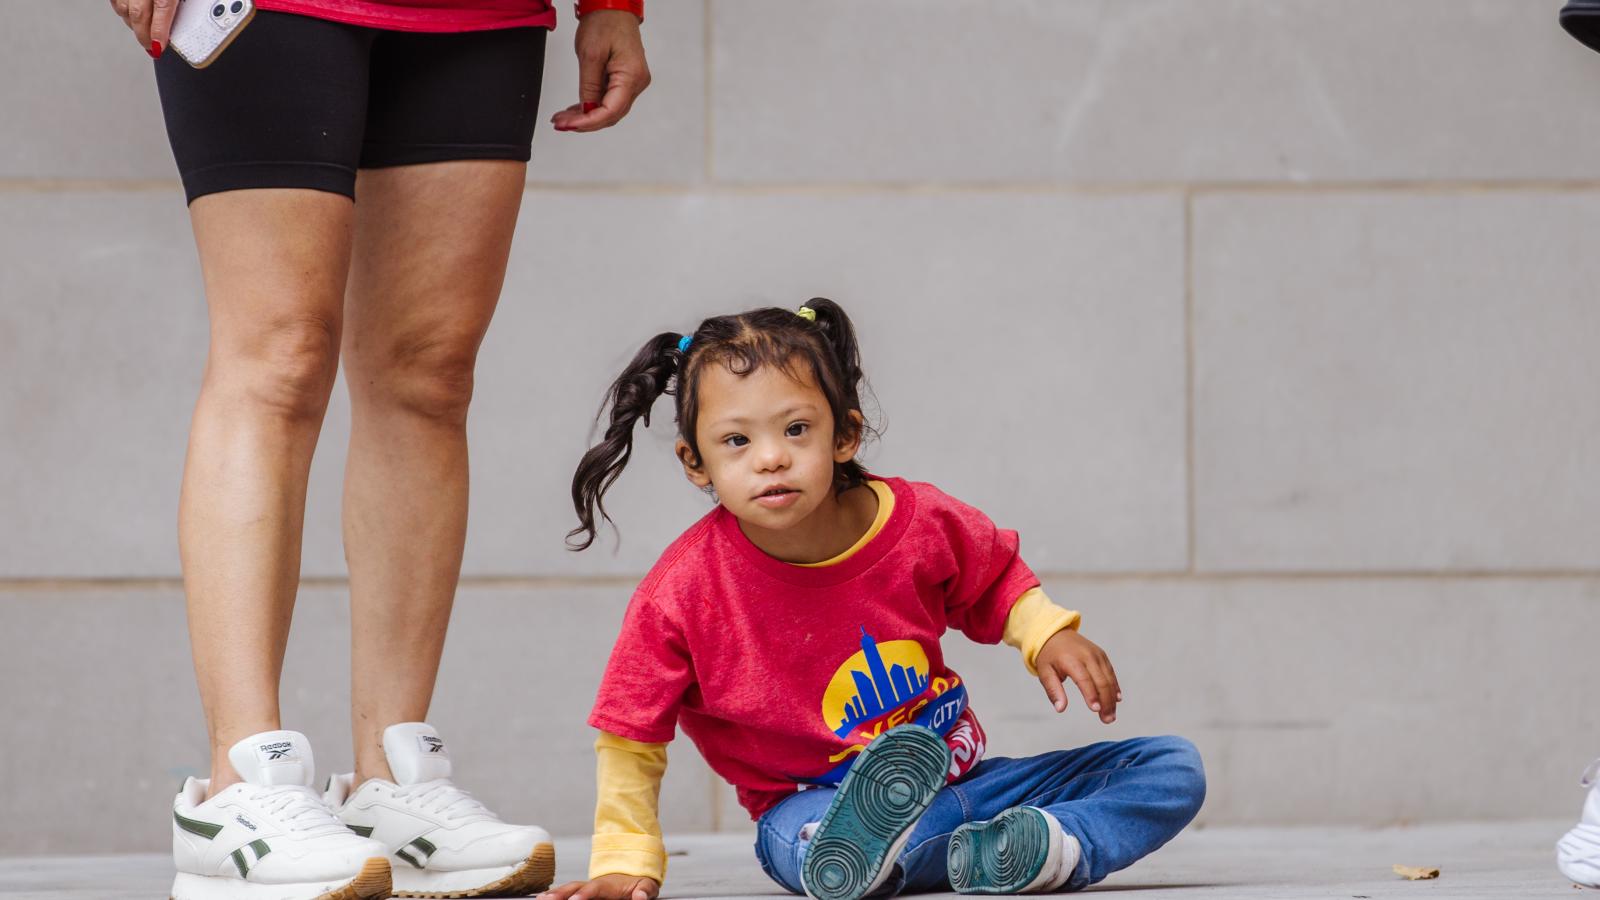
535,582
147,185
1188,375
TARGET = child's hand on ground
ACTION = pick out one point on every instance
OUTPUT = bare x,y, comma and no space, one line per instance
1069,654
606,887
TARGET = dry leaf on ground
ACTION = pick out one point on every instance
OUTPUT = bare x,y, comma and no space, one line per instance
1413,873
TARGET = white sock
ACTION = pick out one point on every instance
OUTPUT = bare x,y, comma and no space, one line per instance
1067,863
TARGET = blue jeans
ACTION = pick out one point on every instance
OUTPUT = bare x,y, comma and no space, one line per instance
1122,800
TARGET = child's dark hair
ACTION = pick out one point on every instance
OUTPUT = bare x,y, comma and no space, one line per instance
820,336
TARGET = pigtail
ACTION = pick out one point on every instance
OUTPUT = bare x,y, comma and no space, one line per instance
839,339
839,336
631,397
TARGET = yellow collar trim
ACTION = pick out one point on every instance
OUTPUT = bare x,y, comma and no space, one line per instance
885,507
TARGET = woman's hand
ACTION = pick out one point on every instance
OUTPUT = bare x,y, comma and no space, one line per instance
150,21
606,887
1069,654
611,70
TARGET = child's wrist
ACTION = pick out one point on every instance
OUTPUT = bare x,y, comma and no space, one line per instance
630,856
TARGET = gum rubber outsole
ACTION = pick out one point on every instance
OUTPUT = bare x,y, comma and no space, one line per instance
882,796
1001,856
535,874
373,882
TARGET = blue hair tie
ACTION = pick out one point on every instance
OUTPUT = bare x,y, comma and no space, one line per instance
684,342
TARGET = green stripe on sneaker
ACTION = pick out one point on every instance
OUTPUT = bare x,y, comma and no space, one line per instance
407,857
195,826
363,830
259,848
425,846
238,860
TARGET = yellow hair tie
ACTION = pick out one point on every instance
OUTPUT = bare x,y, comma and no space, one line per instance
807,313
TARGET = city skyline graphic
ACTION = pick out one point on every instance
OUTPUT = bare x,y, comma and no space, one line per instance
879,689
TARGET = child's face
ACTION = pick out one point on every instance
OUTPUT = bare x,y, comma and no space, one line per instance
766,444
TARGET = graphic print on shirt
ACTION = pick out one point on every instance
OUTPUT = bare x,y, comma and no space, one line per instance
881,686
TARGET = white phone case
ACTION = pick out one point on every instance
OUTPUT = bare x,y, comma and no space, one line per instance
202,29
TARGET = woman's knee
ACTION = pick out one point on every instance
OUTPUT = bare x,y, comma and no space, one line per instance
428,374
284,367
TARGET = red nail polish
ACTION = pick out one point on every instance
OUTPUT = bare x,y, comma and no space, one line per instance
589,106
155,50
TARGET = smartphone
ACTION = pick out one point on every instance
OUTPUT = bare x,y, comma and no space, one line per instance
202,29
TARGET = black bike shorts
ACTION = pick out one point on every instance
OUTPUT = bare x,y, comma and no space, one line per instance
298,102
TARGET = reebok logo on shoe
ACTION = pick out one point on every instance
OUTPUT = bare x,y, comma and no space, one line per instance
430,744
276,751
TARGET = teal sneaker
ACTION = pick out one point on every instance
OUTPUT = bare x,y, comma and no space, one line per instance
1020,851
886,791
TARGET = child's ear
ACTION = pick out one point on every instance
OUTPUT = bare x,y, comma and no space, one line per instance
849,439
692,469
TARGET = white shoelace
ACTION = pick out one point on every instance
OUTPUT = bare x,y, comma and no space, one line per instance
297,807
441,797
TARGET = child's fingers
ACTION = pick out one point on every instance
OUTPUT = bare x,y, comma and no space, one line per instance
1114,686
1079,673
562,891
1053,688
1112,670
1105,687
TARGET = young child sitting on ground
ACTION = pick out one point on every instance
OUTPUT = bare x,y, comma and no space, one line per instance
793,633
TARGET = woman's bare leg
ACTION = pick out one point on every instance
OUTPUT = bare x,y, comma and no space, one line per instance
275,264
429,259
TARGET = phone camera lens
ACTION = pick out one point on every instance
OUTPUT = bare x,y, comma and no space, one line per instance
218,10
236,7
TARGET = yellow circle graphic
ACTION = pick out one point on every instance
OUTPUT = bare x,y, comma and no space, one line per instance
875,681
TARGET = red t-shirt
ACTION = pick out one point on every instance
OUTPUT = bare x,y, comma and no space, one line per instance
781,674
424,15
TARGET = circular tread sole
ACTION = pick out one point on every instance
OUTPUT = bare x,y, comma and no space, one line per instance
882,796
1000,856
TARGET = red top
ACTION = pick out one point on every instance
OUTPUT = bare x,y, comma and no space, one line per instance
781,674
423,15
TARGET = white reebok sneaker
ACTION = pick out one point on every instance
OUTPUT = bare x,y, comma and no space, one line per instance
443,842
1578,854
270,837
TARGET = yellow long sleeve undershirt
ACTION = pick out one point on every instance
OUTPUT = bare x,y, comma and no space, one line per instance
627,827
